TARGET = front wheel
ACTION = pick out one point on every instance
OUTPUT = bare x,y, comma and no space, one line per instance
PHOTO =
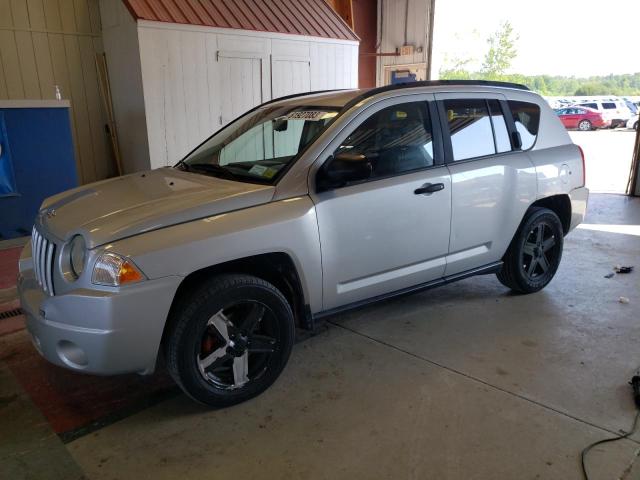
534,255
585,125
229,340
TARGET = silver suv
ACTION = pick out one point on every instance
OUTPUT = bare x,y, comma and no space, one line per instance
303,207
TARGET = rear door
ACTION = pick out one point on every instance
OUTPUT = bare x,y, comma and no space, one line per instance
492,183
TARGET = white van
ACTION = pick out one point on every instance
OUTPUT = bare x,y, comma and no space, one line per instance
614,110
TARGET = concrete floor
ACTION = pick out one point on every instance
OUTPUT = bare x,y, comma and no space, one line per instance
608,156
465,381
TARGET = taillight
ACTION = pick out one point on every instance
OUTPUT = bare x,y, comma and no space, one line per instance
584,169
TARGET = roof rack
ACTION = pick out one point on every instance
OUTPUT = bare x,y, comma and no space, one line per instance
437,83
433,83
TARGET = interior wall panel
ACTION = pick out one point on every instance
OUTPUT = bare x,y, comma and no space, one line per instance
398,17
44,43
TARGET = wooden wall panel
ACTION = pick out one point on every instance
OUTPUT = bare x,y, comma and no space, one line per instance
3,84
26,56
36,14
44,43
11,64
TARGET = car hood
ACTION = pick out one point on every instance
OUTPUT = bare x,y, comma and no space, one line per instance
121,207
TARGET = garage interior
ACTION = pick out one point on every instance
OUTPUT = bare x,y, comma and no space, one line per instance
465,381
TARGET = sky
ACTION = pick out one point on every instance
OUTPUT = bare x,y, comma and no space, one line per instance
557,37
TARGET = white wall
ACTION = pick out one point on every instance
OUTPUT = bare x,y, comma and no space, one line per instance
392,17
197,79
120,37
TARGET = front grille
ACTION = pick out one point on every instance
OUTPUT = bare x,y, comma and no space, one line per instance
43,252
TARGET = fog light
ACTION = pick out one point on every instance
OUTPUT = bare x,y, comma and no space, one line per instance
71,354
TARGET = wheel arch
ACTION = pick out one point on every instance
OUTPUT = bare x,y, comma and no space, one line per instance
277,268
560,205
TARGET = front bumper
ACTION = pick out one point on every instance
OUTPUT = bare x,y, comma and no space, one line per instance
104,332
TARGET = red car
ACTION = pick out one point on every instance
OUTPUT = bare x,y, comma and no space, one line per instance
582,118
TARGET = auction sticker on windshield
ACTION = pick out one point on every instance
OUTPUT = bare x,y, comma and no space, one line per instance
310,115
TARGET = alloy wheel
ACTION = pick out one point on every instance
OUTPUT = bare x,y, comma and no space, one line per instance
540,252
237,345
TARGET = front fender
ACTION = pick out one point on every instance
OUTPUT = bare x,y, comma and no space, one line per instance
288,226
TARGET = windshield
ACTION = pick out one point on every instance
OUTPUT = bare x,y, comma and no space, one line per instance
259,146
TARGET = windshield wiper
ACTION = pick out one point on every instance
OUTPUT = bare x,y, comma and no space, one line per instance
213,168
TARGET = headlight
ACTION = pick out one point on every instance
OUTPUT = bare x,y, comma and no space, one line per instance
114,270
77,254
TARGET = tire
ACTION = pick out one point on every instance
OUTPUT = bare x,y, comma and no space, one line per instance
585,125
524,268
229,340
635,126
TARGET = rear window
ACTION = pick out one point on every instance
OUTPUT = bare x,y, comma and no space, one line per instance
609,105
527,119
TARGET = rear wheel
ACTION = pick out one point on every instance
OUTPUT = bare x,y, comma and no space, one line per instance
230,341
535,252
635,126
585,125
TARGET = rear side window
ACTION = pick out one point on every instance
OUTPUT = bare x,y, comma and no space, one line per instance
590,105
527,119
470,128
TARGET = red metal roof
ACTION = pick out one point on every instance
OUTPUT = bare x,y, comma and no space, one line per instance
299,17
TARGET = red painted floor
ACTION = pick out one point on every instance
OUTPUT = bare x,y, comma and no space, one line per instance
9,267
72,403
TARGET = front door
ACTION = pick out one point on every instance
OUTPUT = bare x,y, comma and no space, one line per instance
391,231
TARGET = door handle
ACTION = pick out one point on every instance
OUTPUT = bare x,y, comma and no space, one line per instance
429,188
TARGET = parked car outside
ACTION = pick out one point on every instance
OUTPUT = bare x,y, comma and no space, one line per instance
633,108
303,207
615,111
582,118
633,122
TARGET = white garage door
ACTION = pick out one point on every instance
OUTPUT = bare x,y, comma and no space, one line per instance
289,76
241,82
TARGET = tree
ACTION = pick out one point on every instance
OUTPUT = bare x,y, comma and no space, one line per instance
502,51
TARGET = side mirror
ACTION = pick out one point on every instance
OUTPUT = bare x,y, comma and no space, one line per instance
342,169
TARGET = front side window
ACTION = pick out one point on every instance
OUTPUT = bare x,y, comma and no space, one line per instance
609,105
527,119
395,139
259,146
470,128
